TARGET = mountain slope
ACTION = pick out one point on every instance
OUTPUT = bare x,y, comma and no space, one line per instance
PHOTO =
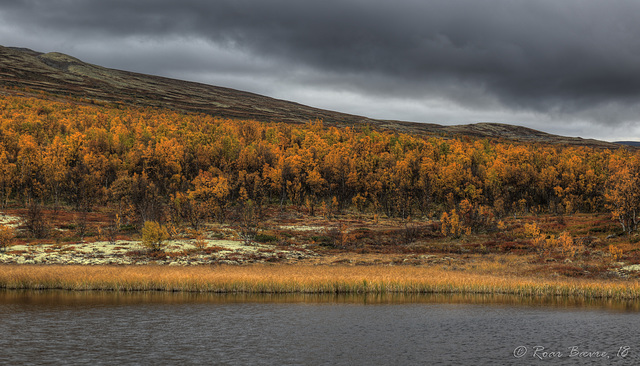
64,75
61,74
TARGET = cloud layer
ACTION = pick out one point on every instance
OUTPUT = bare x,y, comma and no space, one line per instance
570,67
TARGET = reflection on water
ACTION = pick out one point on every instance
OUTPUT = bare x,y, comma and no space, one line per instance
57,327
103,298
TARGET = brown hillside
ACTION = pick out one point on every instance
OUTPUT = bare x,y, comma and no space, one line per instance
64,75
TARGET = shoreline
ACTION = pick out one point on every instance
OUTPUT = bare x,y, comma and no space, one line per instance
304,279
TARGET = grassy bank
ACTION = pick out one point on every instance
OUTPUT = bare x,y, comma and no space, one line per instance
304,279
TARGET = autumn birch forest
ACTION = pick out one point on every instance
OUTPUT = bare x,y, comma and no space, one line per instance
183,169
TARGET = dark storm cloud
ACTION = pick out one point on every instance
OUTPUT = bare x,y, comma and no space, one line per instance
561,58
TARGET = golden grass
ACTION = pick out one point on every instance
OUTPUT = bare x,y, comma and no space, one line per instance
303,279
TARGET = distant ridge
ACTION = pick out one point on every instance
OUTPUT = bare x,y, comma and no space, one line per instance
63,75
628,143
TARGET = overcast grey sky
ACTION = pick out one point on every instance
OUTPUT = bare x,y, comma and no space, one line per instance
570,67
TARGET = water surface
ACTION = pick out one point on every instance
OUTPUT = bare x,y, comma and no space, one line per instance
42,328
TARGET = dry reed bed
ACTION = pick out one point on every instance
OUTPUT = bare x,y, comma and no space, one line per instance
303,279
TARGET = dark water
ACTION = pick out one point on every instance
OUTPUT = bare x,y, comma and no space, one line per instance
42,328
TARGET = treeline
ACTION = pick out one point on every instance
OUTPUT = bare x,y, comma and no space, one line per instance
155,165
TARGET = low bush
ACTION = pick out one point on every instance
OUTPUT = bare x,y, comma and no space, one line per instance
7,236
266,238
154,236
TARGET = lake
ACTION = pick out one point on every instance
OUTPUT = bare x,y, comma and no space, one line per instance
55,327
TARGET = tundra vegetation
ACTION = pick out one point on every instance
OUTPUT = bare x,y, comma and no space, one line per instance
80,170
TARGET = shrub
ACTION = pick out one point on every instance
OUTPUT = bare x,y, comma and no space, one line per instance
250,219
266,238
531,230
323,240
569,248
540,244
154,236
451,224
338,234
615,252
200,241
36,222
7,235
